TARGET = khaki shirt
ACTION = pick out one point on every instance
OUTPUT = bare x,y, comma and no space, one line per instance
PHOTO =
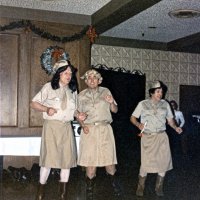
95,105
53,98
154,114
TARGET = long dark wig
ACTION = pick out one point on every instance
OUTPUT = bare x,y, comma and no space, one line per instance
73,84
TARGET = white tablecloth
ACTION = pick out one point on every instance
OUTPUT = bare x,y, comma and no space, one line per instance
23,146
20,146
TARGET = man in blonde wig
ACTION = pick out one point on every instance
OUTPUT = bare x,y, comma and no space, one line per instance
97,144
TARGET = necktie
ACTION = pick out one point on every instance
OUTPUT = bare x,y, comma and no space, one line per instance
64,99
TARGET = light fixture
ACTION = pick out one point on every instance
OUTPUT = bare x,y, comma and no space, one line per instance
184,13
152,27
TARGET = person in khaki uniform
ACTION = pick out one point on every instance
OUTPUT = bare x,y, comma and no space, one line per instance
57,101
97,144
155,150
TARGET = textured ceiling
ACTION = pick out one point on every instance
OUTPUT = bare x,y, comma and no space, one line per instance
167,28
136,26
86,7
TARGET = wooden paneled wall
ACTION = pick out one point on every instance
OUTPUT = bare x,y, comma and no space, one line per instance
21,77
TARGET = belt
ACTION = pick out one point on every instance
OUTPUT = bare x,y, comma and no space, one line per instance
58,121
154,133
96,123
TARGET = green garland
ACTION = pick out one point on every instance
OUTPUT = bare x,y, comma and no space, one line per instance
42,33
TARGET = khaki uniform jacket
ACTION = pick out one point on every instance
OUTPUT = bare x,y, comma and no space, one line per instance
155,150
97,148
58,148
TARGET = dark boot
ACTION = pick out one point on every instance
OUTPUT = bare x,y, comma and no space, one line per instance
63,191
141,186
115,184
90,188
40,192
159,186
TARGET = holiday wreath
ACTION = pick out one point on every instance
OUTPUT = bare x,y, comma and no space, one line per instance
50,56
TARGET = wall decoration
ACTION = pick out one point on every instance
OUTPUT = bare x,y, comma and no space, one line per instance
50,56
117,69
28,26
91,33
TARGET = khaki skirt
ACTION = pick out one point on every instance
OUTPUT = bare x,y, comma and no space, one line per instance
97,148
58,148
155,153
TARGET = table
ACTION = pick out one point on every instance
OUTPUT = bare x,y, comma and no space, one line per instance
20,146
28,146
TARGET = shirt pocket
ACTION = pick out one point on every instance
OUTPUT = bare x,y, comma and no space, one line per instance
162,112
148,112
53,101
72,103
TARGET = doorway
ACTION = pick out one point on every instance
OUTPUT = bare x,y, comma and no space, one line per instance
190,106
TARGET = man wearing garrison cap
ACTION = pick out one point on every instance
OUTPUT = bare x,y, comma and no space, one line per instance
155,150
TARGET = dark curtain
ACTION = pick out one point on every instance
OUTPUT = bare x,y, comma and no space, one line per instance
128,88
190,106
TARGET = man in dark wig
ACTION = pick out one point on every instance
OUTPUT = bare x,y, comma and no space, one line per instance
57,101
